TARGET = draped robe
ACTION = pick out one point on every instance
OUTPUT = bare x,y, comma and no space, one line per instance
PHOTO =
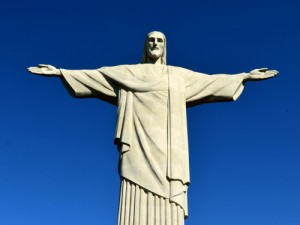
151,128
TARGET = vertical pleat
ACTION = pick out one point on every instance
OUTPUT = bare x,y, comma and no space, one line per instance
162,211
136,219
127,203
122,203
180,216
143,208
174,213
132,201
140,207
157,210
168,213
150,209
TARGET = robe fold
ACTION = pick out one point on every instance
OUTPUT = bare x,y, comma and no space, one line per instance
151,127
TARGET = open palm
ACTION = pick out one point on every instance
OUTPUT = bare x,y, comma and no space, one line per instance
263,73
43,69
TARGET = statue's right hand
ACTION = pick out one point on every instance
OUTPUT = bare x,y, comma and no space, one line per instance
46,70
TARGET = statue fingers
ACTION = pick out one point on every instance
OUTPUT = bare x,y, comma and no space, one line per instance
262,69
30,69
43,65
46,67
258,71
34,70
275,72
271,73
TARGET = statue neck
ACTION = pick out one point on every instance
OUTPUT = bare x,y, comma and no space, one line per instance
156,61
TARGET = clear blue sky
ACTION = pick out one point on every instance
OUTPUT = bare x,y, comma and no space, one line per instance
58,164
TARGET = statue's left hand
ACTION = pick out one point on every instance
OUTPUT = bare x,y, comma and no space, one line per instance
263,73
46,70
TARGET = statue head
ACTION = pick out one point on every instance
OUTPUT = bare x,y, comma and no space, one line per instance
155,48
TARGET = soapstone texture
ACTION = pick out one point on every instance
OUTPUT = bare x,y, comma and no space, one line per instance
151,129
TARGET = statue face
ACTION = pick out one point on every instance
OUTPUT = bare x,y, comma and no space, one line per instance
155,45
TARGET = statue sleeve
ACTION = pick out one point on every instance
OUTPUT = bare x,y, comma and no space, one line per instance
203,88
90,83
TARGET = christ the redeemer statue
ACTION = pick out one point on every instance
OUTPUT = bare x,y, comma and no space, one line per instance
151,129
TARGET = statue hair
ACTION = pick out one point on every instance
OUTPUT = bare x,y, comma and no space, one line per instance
145,54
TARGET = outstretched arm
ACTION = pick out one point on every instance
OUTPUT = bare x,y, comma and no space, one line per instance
46,70
82,83
201,88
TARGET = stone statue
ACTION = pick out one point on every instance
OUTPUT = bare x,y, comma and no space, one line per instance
151,130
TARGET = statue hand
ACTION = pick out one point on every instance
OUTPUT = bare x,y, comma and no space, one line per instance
263,73
43,69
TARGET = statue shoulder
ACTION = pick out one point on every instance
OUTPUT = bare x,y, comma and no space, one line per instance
180,70
135,70
123,66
